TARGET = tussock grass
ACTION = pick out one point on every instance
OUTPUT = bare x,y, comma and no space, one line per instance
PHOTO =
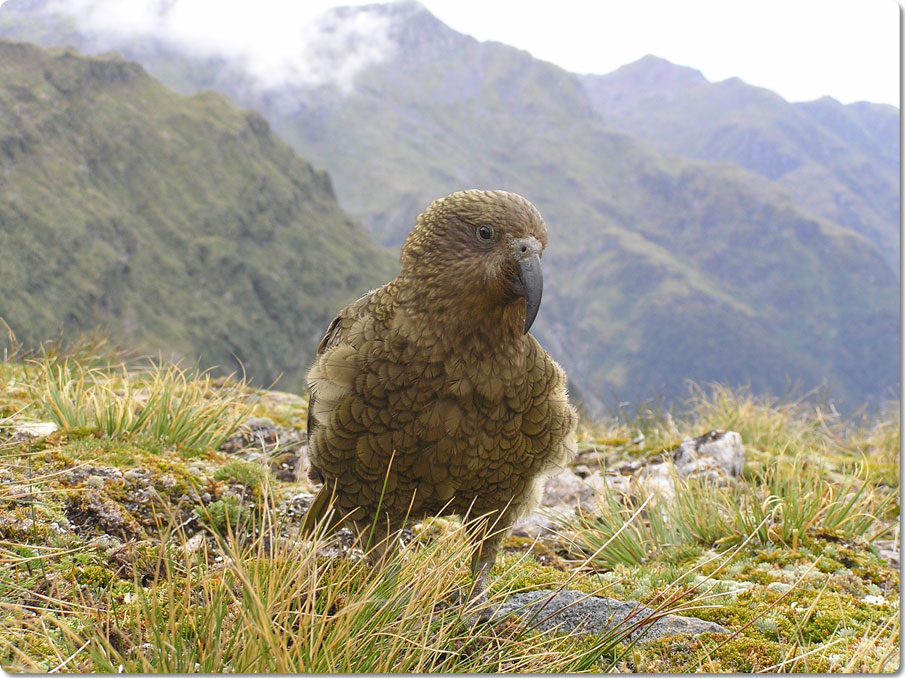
254,598
816,490
163,403
788,503
781,556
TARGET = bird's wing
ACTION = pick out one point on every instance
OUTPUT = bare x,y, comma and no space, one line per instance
320,505
334,337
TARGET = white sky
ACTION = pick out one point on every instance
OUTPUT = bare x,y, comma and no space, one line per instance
801,49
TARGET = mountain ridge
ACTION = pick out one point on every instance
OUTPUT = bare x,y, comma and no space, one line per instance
662,268
827,155
181,222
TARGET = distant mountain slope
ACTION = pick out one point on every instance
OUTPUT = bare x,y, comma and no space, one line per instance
184,223
660,269
839,162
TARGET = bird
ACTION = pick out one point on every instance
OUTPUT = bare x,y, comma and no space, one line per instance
428,396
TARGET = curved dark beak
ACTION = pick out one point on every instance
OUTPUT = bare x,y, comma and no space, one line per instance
532,279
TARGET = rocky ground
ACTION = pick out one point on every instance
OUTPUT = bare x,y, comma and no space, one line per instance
78,505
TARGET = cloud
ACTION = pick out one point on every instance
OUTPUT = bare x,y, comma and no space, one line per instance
274,42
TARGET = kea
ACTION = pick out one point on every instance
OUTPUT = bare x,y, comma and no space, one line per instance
429,397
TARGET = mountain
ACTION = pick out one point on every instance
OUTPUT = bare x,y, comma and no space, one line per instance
661,267
180,222
838,161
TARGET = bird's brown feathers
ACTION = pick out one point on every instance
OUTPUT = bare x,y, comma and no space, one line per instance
426,394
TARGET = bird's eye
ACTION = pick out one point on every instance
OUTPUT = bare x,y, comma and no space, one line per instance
485,232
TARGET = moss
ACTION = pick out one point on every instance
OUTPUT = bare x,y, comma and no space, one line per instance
682,655
756,575
93,576
514,571
80,432
781,557
158,483
26,524
828,565
660,449
680,554
610,442
283,409
818,616
542,552
880,575
245,473
218,514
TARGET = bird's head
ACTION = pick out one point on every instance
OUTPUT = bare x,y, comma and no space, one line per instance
481,249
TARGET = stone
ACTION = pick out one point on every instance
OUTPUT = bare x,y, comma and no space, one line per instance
579,613
717,449
888,549
138,476
875,600
656,479
193,544
543,522
34,429
716,456
566,488
82,474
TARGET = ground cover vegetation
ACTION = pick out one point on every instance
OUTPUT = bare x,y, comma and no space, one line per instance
139,536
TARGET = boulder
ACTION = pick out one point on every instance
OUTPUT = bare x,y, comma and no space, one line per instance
566,488
716,450
716,455
579,613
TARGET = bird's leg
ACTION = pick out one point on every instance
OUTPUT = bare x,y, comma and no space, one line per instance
377,542
482,560
486,537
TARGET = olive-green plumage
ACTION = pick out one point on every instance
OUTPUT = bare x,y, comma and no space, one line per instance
427,395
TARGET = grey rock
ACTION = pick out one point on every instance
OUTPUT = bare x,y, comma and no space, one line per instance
717,449
716,456
579,613
541,523
34,429
94,513
889,550
566,488
138,476
81,474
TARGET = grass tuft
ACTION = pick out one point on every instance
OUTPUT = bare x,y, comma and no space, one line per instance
166,404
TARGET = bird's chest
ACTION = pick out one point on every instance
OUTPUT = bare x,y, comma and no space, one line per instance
454,390
468,415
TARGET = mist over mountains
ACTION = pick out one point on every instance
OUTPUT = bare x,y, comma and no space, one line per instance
703,231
